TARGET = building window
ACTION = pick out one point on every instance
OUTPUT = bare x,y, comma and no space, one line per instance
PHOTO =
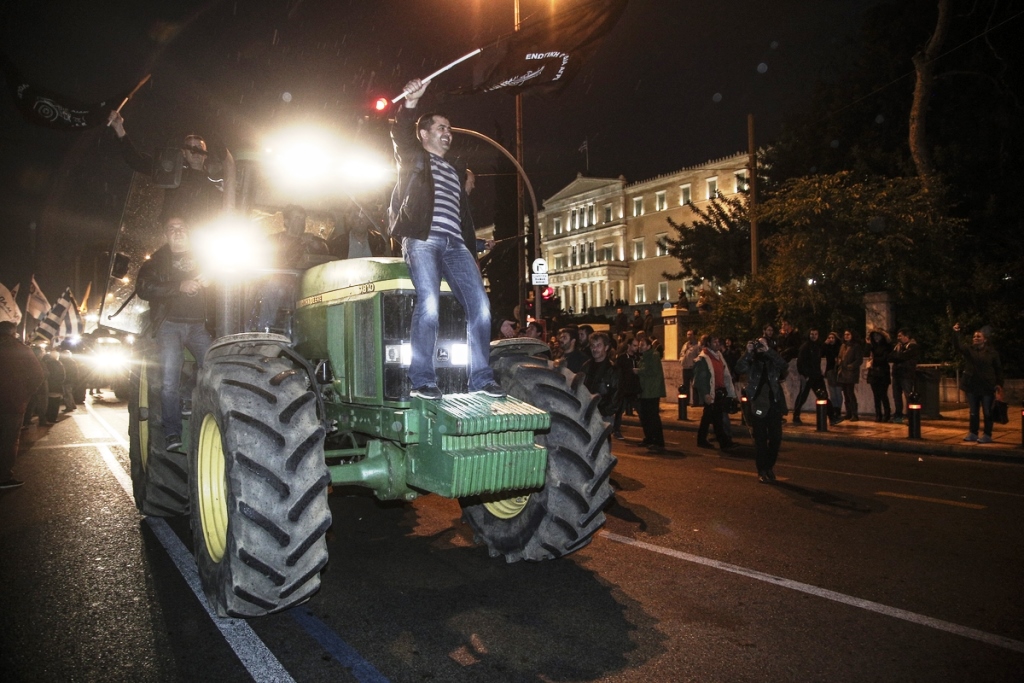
608,252
638,249
712,188
662,291
641,295
572,259
684,195
661,248
660,202
558,226
607,213
590,252
638,206
741,182
560,262
590,214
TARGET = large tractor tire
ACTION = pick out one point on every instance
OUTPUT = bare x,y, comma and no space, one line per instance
159,476
565,514
259,482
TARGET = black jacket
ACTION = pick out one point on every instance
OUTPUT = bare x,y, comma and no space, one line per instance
808,363
157,285
412,201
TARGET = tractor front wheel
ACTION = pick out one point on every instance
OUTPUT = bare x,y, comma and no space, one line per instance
565,514
259,483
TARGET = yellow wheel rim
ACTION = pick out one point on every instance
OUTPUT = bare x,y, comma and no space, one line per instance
144,425
212,486
508,508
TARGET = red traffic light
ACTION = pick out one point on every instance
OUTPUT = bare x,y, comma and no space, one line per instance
547,293
381,104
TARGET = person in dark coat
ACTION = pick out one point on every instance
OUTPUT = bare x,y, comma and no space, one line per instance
38,401
848,362
55,384
600,375
982,378
70,379
176,291
20,375
879,376
626,362
903,357
830,352
808,364
763,366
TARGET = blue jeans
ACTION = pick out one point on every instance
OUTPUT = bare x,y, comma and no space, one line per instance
983,401
428,260
172,339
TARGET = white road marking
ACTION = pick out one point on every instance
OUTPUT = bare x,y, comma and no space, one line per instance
255,656
913,617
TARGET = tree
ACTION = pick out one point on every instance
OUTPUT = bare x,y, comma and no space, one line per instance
716,245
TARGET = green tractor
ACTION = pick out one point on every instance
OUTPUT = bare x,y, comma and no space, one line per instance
277,419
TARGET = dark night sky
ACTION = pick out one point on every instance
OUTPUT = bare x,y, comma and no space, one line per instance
670,87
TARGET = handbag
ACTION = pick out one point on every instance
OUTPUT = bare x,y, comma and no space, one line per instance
1000,412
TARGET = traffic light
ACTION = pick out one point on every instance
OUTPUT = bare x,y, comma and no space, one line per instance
381,106
547,293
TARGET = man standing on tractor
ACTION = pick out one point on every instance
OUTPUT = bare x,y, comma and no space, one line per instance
206,185
176,291
429,212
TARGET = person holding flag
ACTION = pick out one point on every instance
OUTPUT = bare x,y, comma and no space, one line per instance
206,186
429,212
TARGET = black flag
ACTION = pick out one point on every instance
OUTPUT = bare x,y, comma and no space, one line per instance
46,108
544,54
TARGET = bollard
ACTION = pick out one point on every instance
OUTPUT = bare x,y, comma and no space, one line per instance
913,417
683,398
821,413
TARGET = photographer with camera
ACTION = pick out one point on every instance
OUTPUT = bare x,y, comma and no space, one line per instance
763,366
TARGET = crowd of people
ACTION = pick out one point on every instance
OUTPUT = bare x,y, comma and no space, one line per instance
775,374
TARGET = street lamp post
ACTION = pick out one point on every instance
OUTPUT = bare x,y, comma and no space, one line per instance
520,215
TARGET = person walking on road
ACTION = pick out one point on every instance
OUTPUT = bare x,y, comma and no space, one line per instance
652,390
848,362
981,381
626,363
763,366
687,357
808,364
713,385
20,375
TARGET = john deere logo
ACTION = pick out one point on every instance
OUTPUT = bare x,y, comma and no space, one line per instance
442,355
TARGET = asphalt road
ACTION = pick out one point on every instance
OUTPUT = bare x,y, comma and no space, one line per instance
858,565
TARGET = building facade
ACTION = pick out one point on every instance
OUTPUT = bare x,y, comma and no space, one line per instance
600,236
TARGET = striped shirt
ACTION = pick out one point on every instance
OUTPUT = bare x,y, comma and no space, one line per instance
447,190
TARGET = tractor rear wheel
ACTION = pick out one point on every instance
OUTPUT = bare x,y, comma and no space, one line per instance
565,514
259,482
159,476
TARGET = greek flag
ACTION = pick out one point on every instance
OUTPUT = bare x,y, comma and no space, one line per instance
62,321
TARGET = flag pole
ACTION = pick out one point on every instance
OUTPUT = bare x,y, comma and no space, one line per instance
429,78
141,83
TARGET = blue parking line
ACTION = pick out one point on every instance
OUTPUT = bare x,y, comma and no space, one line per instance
339,649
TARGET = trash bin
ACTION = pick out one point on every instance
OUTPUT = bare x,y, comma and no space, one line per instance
926,383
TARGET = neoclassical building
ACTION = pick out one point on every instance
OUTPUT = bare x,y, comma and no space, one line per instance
600,235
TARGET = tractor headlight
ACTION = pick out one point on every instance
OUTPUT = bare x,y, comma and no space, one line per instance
231,247
307,162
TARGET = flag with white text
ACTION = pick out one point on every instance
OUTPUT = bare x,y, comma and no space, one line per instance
547,51
9,310
37,305
45,107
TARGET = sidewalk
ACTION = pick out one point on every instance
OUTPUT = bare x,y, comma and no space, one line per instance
942,437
